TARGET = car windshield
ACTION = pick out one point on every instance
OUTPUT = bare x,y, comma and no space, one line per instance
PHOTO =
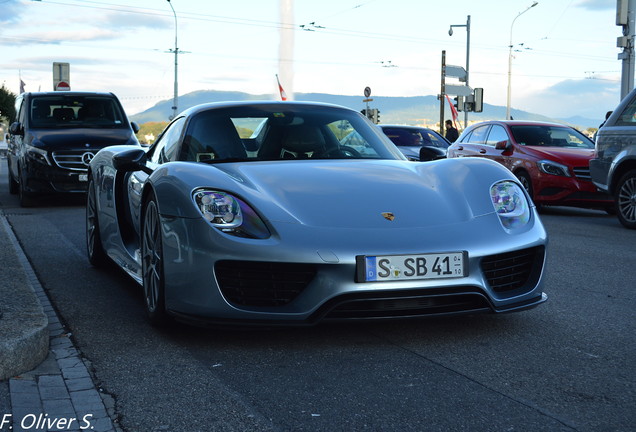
76,111
276,132
414,137
550,136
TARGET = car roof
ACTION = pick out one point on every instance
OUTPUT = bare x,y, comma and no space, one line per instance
69,93
520,123
271,104
403,126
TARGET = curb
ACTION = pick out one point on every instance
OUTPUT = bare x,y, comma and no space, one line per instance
23,324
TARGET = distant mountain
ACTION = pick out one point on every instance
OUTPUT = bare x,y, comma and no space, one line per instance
402,110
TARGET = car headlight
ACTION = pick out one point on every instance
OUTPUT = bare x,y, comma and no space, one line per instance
510,203
37,154
229,214
553,168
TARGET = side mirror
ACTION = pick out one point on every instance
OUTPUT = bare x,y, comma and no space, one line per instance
135,127
504,145
16,129
431,153
131,160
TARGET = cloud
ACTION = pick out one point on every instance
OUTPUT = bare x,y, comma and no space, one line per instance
10,11
596,4
58,37
586,97
118,20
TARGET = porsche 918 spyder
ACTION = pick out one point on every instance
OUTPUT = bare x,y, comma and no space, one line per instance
257,213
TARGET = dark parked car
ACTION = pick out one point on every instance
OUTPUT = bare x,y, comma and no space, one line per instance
56,136
614,167
417,143
551,160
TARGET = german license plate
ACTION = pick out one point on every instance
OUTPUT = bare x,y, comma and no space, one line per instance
83,177
444,265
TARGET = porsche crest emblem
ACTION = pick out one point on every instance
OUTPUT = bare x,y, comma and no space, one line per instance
388,216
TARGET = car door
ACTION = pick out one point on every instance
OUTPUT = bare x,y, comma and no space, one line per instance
499,146
473,145
164,150
15,138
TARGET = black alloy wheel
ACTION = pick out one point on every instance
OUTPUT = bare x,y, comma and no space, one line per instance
152,264
94,246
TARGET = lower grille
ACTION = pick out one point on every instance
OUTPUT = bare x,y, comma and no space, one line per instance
406,304
582,173
513,270
252,283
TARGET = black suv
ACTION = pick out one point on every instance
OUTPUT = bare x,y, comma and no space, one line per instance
56,136
614,167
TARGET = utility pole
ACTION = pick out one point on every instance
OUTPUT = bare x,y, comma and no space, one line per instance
625,17
176,66
510,46
450,33
442,95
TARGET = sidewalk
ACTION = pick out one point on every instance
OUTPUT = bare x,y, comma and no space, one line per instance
50,386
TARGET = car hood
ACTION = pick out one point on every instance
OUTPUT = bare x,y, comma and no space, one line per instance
362,194
568,156
69,138
409,151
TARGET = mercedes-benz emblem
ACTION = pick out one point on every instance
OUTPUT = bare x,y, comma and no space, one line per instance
87,158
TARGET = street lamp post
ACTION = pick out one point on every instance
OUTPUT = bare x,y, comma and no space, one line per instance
176,65
510,58
450,33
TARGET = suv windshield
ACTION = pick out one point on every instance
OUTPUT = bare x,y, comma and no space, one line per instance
76,111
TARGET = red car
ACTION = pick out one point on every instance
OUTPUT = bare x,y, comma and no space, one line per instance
552,161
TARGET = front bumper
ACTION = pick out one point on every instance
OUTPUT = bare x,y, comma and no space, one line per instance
570,191
196,290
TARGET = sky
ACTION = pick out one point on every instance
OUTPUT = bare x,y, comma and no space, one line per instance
564,59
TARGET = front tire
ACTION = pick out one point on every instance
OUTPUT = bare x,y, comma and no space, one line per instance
94,246
26,199
13,185
152,269
526,182
626,200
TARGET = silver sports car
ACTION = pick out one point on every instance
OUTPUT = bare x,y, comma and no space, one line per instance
256,213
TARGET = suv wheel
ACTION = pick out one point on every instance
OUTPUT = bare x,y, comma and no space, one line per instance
626,199
26,198
13,185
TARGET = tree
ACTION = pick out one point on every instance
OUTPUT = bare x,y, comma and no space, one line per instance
7,105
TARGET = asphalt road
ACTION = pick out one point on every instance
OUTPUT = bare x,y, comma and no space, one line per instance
569,365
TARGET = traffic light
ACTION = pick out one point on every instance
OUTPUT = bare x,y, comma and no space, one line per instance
375,115
364,113
459,103
478,103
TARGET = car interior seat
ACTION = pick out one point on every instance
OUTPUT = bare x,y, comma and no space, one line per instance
213,138
64,114
302,142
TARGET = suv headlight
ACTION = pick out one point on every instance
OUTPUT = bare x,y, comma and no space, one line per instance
37,154
229,214
553,168
510,203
